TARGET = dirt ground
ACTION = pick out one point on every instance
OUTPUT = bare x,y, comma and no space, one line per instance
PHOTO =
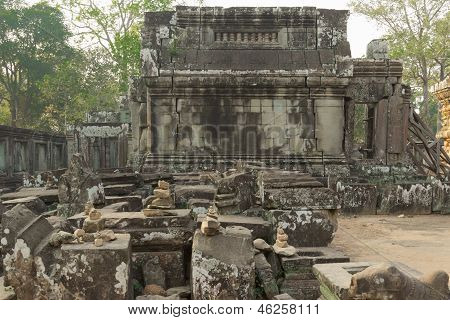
421,242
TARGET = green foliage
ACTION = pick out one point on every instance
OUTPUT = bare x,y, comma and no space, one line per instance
80,85
417,31
33,40
115,27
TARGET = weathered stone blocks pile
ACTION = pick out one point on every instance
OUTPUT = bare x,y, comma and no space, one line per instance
41,262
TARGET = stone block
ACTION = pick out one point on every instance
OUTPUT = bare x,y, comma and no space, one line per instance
97,273
265,277
305,227
301,289
36,205
223,266
119,189
92,226
13,221
258,227
441,197
288,198
406,198
357,198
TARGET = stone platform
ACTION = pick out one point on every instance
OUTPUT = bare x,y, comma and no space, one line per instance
97,273
258,226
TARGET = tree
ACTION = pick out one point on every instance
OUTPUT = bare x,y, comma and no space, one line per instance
417,31
80,85
33,40
115,27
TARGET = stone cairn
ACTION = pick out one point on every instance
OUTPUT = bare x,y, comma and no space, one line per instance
210,226
163,200
281,246
93,230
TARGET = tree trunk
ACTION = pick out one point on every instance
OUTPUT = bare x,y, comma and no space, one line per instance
14,107
441,71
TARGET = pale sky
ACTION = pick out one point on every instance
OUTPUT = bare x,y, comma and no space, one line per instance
360,30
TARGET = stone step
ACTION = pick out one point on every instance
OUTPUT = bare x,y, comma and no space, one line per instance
227,203
185,192
119,189
225,196
121,178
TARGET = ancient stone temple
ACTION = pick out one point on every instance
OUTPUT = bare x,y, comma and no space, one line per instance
264,82
254,135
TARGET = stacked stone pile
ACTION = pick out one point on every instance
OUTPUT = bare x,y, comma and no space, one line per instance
161,200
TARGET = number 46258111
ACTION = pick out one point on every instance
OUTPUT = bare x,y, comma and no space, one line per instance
286,308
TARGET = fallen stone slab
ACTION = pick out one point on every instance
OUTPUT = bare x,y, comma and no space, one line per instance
258,226
128,221
223,266
36,205
48,196
13,221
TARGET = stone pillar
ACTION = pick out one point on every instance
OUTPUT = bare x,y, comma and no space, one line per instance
349,106
149,121
442,93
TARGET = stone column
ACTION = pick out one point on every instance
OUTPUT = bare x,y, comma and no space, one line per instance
149,121
349,106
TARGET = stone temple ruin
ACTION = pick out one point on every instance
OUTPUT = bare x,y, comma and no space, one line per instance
225,171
